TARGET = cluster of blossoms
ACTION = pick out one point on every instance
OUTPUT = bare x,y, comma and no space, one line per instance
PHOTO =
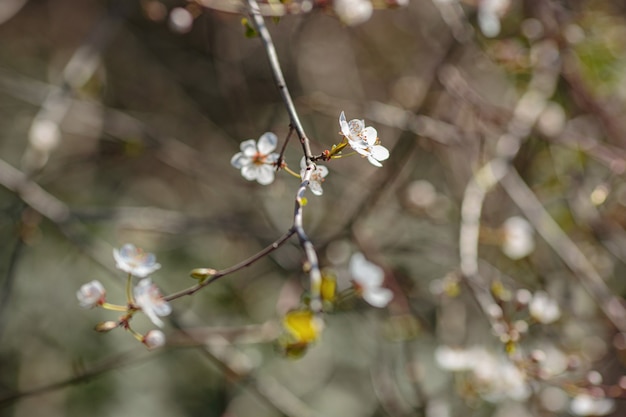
495,377
258,161
144,296
363,140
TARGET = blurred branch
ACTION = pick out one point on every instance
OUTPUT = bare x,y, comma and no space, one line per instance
613,123
132,357
453,15
44,134
216,345
9,8
612,305
525,114
53,209
6,290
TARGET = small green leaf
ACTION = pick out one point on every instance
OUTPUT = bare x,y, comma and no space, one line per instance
250,31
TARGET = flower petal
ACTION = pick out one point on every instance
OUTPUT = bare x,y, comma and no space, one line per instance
378,297
360,147
239,160
316,187
271,158
356,126
267,143
149,299
373,161
250,172
265,174
343,123
248,147
369,135
365,272
322,171
380,152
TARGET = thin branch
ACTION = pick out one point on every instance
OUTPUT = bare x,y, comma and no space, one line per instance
279,163
241,265
279,79
526,113
612,305
315,274
33,195
117,361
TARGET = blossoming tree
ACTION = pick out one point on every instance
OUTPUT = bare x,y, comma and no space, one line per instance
300,208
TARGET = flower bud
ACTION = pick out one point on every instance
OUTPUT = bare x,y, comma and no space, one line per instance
202,273
154,339
106,326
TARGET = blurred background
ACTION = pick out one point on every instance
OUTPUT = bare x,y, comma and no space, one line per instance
118,120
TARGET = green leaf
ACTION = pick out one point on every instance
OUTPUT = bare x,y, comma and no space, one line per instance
250,31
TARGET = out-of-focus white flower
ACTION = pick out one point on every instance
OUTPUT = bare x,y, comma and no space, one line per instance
586,405
135,261
91,294
368,279
256,159
44,134
493,376
181,20
154,339
489,14
363,140
353,12
502,379
518,238
543,308
454,359
317,177
149,299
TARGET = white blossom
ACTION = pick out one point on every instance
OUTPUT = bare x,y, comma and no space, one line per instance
149,299
180,20
135,261
256,159
317,177
154,339
363,140
454,359
586,405
368,279
353,12
91,294
493,376
489,14
543,308
518,238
